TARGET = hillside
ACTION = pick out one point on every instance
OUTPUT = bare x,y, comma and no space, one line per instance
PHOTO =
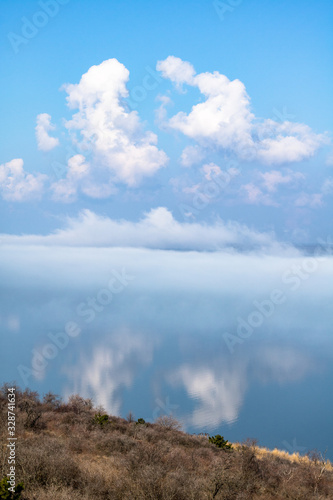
74,451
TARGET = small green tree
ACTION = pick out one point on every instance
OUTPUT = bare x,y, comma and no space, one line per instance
220,442
101,419
5,494
141,421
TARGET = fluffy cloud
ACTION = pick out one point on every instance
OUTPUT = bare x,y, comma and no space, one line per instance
79,179
176,70
224,120
121,151
286,142
44,125
18,185
157,230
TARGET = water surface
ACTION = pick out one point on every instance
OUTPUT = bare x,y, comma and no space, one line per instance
158,332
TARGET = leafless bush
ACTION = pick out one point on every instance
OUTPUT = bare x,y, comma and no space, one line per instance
46,461
51,401
168,422
115,443
79,405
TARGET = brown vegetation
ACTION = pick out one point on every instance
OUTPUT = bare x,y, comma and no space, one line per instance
70,451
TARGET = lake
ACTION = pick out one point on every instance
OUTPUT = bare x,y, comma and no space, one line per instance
230,343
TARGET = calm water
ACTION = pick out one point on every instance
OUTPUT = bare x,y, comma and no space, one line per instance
170,340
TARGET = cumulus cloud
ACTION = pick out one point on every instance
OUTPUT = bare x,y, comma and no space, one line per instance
158,229
44,141
286,142
18,185
79,179
121,150
224,120
176,70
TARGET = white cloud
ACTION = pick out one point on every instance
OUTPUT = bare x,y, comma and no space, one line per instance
161,112
329,159
213,184
224,120
121,150
191,155
176,70
44,125
79,179
66,189
313,200
327,187
18,185
210,169
273,179
287,142
255,196
158,230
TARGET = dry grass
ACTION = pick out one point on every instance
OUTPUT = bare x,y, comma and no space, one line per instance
311,459
64,453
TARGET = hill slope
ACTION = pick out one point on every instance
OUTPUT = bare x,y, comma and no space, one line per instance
73,451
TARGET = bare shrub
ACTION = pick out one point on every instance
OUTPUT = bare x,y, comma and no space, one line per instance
115,443
169,422
51,401
29,403
46,461
130,417
79,405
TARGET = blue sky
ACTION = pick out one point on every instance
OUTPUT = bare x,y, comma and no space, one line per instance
256,152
